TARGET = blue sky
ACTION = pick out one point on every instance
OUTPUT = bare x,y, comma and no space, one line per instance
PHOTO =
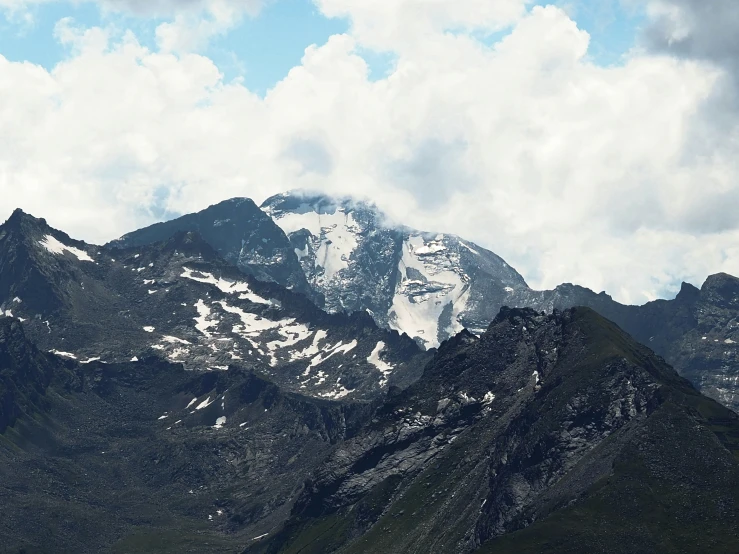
263,49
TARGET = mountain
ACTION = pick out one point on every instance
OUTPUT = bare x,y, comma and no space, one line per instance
241,233
548,433
428,285
155,397
33,258
181,301
431,285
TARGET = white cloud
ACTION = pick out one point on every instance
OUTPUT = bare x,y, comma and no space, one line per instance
192,29
570,171
398,24
191,23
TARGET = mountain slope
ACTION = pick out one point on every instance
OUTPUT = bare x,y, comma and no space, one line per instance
241,233
696,332
548,433
147,457
179,300
25,374
504,435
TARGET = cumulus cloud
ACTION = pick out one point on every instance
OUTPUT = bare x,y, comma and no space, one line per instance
695,29
572,172
398,24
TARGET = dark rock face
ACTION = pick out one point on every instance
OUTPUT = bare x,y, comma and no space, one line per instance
147,457
25,374
242,234
540,417
696,332
28,267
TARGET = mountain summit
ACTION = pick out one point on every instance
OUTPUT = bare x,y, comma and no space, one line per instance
241,233
428,285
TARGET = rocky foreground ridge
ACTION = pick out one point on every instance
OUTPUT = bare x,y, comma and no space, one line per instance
548,433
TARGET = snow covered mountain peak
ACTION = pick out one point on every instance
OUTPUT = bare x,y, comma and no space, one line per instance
331,224
427,285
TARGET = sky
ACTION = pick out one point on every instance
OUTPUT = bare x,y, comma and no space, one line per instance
586,142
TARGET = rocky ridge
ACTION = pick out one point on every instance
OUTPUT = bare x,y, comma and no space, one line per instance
179,300
520,441
242,234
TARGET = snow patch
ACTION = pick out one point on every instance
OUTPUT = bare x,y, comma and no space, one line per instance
419,302
338,348
226,286
56,247
253,324
201,321
430,248
204,404
334,236
63,354
175,340
468,247
385,368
